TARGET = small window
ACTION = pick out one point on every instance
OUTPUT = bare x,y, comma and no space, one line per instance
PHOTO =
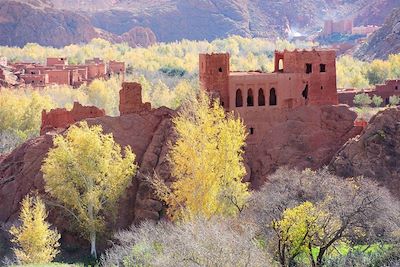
251,131
261,97
322,87
272,97
250,98
322,68
396,88
308,68
220,69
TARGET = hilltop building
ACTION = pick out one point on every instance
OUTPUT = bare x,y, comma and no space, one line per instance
300,78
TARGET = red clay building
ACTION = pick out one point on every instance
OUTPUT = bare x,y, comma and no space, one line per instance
35,80
390,88
59,72
300,78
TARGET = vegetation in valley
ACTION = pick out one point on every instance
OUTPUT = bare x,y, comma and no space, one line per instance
168,74
86,174
300,218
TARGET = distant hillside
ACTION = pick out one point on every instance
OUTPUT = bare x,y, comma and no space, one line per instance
383,42
173,20
37,21
209,19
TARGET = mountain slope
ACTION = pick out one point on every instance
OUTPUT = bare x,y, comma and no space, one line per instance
31,21
383,42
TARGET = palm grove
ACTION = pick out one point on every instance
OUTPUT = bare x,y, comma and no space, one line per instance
300,218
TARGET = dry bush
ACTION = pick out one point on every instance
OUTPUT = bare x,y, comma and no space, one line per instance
215,242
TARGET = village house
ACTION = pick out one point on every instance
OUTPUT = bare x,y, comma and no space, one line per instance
386,90
58,71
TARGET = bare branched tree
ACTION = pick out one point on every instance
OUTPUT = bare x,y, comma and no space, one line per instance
356,211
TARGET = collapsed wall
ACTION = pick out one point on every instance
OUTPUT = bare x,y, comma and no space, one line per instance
61,118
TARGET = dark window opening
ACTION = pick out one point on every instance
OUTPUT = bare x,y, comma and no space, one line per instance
387,102
305,92
272,97
308,68
239,98
250,98
322,87
322,68
251,130
396,88
261,97
220,69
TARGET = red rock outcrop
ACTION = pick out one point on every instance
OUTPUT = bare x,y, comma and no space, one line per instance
61,118
375,153
305,137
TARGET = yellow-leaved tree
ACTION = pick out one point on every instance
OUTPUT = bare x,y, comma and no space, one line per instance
207,162
36,242
86,173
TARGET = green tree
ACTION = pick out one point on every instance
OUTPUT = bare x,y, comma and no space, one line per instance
36,242
378,72
377,100
295,231
394,100
362,100
86,173
207,162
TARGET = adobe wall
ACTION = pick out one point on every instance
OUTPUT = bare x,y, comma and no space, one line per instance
130,99
390,88
96,71
35,80
341,26
59,76
321,82
214,70
61,118
116,67
52,61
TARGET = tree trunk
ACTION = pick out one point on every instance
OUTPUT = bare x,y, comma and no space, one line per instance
93,244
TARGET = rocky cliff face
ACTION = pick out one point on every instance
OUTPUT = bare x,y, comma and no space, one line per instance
305,137
375,153
38,22
383,42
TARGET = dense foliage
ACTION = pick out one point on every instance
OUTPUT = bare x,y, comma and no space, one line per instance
35,241
207,162
86,174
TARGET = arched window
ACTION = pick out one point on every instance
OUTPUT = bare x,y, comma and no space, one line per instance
239,98
272,97
250,98
280,65
261,97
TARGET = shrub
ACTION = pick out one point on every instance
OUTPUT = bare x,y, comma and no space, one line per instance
215,242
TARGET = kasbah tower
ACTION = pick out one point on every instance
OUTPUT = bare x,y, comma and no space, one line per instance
300,78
